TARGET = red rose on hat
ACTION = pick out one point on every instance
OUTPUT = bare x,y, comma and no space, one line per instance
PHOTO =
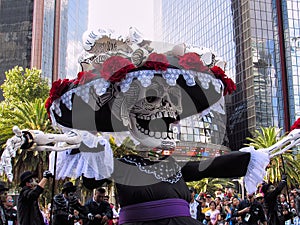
218,72
228,82
296,125
84,77
157,62
192,61
115,68
58,88
229,86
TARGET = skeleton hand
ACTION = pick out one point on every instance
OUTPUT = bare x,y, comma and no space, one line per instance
14,143
285,144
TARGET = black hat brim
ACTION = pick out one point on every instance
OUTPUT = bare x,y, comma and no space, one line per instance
25,179
69,189
83,117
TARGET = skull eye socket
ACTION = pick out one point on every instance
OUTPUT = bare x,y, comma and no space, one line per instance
151,95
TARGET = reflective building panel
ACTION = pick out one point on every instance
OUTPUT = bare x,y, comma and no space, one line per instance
260,41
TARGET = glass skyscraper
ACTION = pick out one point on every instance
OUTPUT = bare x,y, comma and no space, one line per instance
260,40
27,36
72,19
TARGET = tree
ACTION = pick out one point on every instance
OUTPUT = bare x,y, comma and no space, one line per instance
210,185
25,92
24,85
265,137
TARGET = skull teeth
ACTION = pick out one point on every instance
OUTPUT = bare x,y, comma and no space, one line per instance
150,124
156,134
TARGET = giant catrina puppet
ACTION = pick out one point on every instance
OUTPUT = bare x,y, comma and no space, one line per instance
131,84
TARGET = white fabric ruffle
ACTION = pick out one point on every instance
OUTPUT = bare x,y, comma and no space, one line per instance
256,169
96,164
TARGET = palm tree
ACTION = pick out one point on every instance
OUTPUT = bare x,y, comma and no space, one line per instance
210,185
27,115
25,92
265,137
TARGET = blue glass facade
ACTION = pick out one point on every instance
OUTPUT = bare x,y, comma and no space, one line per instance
73,23
76,12
248,36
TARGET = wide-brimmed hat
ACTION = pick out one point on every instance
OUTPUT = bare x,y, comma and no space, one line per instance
69,187
3,186
114,67
25,176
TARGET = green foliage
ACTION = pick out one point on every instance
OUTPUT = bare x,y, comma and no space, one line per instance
25,92
21,85
127,147
210,185
287,163
265,137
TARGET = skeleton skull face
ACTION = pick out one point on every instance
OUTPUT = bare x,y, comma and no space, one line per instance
149,112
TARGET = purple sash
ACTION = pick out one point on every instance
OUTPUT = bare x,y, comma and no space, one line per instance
154,210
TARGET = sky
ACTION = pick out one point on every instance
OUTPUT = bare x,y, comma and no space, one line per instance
119,15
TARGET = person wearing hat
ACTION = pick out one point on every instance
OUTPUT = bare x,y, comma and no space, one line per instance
28,208
251,211
64,205
3,195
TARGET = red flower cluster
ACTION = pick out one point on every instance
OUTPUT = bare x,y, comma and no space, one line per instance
296,125
115,68
220,74
157,62
58,88
84,77
191,61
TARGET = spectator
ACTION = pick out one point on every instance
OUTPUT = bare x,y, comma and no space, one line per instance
206,220
106,198
233,217
77,221
214,213
201,208
219,194
296,192
3,194
275,212
208,199
221,220
99,208
10,211
65,204
251,211
28,209
195,207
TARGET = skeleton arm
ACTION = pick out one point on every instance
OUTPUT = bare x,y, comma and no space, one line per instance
40,141
285,144
260,158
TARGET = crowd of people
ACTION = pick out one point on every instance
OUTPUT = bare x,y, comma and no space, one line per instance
269,206
67,208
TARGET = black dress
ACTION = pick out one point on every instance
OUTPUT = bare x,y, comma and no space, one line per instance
140,180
